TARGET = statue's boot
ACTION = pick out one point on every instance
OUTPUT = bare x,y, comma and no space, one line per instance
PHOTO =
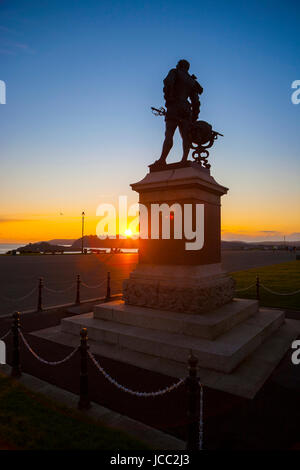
160,162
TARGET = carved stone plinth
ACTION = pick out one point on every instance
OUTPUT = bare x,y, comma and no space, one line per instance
187,289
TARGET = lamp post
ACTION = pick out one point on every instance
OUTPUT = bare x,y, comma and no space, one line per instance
82,231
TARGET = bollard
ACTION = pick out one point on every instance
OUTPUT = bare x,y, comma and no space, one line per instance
257,288
40,291
84,401
193,392
16,366
78,282
108,287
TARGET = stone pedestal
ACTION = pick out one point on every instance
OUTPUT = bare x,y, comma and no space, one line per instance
168,276
237,344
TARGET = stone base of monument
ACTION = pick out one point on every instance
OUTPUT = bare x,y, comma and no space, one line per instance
237,345
179,288
179,300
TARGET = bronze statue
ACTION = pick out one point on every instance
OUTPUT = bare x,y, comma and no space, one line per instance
181,93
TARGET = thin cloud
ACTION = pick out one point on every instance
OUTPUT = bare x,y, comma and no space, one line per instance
10,43
4,29
7,52
5,220
16,48
24,47
269,231
239,231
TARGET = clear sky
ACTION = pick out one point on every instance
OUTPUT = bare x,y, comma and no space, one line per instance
77,128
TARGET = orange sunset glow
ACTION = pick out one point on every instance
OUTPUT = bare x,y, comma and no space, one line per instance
238,224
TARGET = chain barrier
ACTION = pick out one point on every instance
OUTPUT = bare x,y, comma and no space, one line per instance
128,390
168,389
93,287
52,291
50,363
84,402
5,336
59,291
279,293
245,288
268,290
19,299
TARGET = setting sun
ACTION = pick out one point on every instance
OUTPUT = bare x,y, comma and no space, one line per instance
128,232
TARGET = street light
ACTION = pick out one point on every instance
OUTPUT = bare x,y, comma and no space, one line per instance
83,214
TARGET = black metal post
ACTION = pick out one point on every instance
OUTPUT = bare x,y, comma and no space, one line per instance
16,366
193,392
78,282
84,401
108,287
40,295
257,289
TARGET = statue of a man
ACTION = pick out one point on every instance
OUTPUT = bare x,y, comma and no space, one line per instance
181,93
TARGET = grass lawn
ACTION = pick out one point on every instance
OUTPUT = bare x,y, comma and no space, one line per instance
28,420
283,277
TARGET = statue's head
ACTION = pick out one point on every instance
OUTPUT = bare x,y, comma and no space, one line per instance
183,65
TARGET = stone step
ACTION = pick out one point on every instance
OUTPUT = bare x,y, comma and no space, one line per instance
223,354
245,381
209,325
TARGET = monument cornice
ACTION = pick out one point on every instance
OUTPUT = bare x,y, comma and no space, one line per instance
181,178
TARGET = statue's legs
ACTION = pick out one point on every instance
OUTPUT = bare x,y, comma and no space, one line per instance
168,142
184,129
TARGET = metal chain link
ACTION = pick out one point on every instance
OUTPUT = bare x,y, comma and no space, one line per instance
59,291
5,336
133,392
119,386
50,363
19,299
245,288
93,287
154,394
279,293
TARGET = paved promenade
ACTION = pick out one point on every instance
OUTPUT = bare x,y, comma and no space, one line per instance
19,274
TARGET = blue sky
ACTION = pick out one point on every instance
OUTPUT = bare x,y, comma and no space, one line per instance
81,77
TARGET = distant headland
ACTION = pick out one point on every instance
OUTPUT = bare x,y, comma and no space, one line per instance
91,243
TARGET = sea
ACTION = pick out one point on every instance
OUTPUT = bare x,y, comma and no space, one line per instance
5,247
